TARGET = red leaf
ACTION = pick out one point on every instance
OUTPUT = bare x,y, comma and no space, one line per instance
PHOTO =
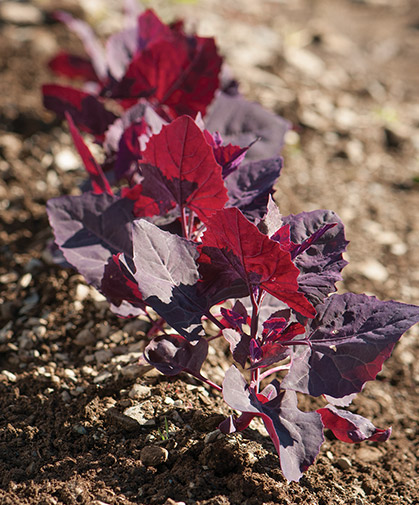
70,65
233,249
87,111
178,72
351,428
99,182
181,163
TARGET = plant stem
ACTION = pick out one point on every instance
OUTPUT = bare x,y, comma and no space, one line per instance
183,221
279,368
215,320
191,223
200,377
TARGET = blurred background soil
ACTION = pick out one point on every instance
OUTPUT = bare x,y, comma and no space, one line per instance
346,74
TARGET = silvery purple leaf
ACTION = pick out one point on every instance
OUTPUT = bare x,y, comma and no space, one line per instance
351,428
89,229
297,435
351,337
240,122
166,273
320,265
250,186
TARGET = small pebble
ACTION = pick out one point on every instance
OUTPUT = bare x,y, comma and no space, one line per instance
212,436
142,417
344,463
65,395
125,422
103,356
84,337
25,280
153,455
102,377
20,14
369,454
82,292
11,377
134,371
138,392
66,160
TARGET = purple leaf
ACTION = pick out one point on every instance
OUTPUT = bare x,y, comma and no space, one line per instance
351,428
351,337
166,274
172,354
99,182
321,263
87,111
250,186
297,435
234,255
89,229
240,122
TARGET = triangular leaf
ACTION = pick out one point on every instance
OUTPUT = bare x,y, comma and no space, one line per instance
182,166
165,270
240,122
234,254
350,338
319,259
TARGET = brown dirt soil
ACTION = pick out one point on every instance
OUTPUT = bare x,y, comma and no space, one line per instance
346,74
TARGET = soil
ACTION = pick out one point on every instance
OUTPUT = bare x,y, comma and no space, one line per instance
346,74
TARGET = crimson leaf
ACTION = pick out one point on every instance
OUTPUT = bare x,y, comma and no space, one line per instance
182,169
351,337
70,65
87,111
235,256
351,428
99,182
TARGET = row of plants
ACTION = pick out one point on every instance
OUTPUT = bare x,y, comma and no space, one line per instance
177,224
